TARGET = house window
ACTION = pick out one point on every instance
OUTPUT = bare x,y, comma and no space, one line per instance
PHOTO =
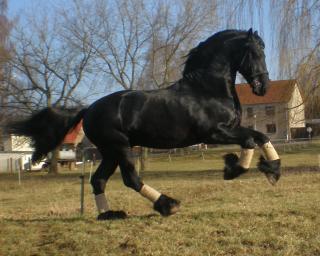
249,112
270,110
271,128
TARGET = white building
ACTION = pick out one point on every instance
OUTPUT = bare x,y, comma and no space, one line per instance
278,113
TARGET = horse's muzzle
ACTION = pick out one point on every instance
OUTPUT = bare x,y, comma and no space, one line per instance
260,85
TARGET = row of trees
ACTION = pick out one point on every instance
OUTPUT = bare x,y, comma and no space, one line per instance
62,58
5,27
89,47
297,40
58,60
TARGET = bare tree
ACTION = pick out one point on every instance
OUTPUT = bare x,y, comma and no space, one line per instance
118,40
172,38
46,70
5,28
140,37
308,73
53,67
298,41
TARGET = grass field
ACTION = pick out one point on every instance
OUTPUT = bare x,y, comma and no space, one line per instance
246,216
292,155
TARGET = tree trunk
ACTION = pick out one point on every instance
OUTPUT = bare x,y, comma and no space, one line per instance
54,166
144,159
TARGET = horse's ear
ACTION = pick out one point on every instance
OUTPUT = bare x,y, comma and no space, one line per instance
250,35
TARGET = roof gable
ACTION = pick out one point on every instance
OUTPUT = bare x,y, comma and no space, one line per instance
75,135
279,92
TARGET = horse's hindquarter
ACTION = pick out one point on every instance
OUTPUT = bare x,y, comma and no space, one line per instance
102,122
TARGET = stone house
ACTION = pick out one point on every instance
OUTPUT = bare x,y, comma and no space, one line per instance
278,114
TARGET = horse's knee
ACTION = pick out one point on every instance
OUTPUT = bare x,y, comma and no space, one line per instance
98,185
261,139
233,167
249,143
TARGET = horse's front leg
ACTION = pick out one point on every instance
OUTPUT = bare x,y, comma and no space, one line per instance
236,166
248,139
270,163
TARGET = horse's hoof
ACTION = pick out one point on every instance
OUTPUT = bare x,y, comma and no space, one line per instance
166,205
232,170
272,178
112,215
271,168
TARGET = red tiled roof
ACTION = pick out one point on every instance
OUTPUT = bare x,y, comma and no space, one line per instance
279,92
73,135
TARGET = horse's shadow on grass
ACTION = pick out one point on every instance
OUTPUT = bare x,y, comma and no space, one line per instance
87,219
47,219
76,218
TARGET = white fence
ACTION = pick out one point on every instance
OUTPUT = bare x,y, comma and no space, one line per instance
10,162
15,160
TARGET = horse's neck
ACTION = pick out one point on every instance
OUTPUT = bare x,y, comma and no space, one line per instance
219,84
236,100
232,89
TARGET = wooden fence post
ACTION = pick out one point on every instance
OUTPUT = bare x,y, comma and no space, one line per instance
11,165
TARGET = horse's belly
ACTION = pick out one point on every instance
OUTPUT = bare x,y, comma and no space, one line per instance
158,138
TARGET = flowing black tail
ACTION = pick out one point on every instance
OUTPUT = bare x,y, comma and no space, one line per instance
47,129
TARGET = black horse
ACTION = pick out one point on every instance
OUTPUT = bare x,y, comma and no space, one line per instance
202,107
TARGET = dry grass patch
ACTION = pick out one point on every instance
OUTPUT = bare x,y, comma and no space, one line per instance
242,217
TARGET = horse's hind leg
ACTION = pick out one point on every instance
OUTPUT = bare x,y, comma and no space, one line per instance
98,181
161,203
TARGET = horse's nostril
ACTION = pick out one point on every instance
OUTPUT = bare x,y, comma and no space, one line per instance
257,83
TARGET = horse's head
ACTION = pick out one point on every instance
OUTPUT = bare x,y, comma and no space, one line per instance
243,50
252,64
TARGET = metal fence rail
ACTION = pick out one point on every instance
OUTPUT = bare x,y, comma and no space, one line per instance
11,161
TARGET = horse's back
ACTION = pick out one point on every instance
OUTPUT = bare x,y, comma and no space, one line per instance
148,118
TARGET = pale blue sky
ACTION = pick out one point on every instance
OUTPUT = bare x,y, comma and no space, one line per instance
18,7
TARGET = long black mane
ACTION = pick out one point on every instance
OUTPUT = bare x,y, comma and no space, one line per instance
201,56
